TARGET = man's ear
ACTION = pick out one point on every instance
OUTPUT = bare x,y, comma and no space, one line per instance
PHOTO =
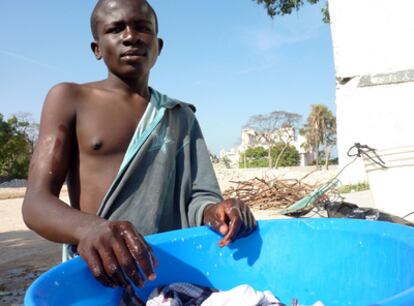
160,45
95,50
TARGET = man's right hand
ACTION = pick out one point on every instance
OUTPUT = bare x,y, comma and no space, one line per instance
113,250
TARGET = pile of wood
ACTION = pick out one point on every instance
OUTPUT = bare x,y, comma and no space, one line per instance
269,194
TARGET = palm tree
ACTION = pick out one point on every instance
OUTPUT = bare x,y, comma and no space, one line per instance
320,129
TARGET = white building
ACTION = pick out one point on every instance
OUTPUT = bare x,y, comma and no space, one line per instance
251,139
374,61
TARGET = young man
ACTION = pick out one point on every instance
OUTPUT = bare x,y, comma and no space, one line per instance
134,160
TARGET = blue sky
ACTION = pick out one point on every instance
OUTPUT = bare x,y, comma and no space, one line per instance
226,57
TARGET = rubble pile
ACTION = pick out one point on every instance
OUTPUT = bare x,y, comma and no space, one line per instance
265,194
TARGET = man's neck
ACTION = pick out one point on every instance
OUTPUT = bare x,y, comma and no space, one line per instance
129,86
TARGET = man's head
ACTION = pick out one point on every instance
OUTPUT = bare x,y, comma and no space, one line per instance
96,11
125,36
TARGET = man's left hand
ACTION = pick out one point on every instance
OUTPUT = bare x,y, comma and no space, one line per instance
231,218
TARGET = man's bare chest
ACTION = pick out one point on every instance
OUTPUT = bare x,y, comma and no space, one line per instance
107,129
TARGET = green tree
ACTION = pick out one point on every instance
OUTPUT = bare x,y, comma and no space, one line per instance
285,155
15,148
285,7
256,157
29,128
330,139
274,128
320,131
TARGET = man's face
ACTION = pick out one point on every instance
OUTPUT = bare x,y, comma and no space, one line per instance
127,37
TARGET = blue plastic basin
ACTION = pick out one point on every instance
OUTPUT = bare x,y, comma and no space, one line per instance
336,261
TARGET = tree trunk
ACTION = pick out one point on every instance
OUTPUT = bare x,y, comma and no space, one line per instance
328,151
280,155
269,156
317,158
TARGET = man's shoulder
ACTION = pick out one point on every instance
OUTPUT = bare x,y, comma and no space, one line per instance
66,97
63,91
74,89
168,102
72,93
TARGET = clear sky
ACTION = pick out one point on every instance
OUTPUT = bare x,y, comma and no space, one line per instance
227,57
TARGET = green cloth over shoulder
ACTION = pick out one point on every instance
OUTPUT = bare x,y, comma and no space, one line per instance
166,178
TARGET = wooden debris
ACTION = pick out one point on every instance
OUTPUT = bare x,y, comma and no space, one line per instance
269,194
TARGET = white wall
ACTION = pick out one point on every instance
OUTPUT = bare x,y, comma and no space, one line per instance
372,36
373,42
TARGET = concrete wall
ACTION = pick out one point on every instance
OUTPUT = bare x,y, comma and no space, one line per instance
373,43
228,177
372,36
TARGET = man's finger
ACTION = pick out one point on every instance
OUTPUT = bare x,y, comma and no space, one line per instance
216,219
247,218
112,268
128,264
251,220
235,223
154,260
96,267
139,250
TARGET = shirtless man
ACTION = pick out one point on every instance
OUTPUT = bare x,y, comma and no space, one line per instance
85,131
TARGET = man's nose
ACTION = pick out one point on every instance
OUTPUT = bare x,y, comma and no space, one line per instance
130,36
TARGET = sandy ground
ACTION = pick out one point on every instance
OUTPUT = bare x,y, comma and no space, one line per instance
24,255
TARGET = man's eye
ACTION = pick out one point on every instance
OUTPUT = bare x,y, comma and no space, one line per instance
144,28
114,30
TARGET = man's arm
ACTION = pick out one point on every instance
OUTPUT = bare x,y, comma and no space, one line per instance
231,218
110,248
42,209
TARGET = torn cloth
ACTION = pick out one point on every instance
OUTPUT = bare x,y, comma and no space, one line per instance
169,179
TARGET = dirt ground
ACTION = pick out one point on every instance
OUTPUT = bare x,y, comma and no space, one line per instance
24,255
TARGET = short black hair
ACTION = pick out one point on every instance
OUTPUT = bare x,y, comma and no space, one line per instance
94,17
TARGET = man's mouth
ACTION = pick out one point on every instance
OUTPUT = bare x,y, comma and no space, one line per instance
134,53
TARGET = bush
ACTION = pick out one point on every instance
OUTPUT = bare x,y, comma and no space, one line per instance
289,158
15,149
258,157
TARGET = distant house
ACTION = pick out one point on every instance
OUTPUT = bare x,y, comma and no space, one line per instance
251,139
